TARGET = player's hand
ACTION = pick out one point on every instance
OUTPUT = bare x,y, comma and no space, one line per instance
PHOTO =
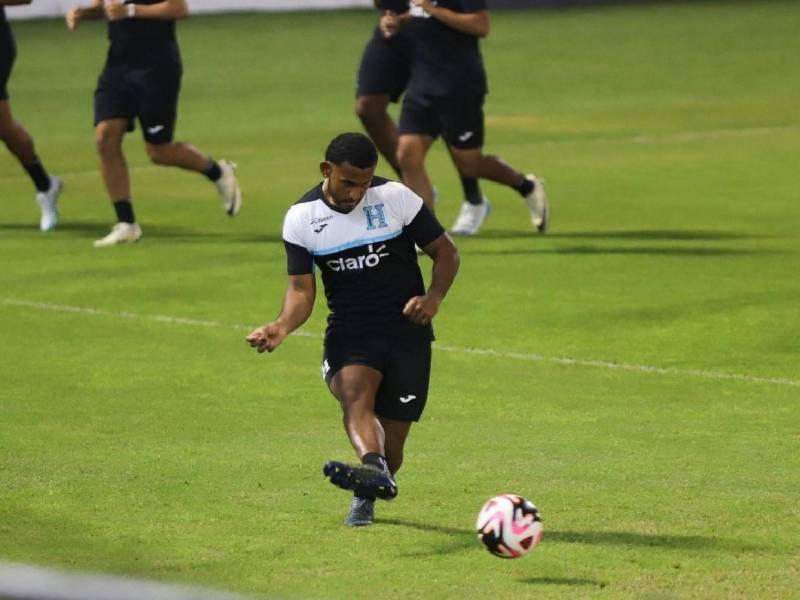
115,10
267,337
421,309
425,5
72,18
389,23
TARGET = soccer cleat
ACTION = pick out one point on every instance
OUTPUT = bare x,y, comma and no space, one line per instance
362,512
48,203
121,233
538,205
228,187
471,217
363,480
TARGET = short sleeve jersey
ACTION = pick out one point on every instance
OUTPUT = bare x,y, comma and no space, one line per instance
448,62
366,257
141,34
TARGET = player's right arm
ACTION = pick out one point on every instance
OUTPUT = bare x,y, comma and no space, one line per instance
76,15
298,303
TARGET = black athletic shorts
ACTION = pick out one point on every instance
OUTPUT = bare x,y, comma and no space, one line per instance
458,119
145,91
405,364
8,52
385,66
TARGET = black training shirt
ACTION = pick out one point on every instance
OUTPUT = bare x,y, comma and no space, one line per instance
141,33
448,62
366,257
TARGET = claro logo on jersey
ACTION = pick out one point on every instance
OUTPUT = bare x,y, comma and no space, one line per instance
357,263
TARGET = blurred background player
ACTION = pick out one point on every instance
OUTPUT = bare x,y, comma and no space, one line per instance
142,79
360,230
14,135
382,78
445,97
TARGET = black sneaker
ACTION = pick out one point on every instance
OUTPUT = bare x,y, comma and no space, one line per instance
364,480
362,512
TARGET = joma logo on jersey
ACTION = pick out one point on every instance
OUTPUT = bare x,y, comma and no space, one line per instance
358,263
376,219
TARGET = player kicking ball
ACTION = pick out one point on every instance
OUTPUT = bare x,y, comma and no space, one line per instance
141,80
359,231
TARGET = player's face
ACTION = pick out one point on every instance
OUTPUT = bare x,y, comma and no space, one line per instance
346,184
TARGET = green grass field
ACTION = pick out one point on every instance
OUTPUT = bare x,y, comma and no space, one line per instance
634,372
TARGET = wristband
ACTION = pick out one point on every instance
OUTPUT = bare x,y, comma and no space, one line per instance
131,8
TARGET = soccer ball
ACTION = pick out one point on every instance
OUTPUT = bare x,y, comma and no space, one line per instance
509,526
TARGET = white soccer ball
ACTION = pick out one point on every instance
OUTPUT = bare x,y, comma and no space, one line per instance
509,526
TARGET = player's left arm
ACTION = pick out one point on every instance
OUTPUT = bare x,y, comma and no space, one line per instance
422,309
474,23
167,10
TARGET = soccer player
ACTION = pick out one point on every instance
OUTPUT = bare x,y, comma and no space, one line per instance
14,135
359,230
445,97
142,79
383,75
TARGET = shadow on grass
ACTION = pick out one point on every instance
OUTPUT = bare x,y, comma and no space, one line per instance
638,235
461,539
466,537
562,581
641,250
95,230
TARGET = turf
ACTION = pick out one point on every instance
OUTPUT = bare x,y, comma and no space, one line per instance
642,386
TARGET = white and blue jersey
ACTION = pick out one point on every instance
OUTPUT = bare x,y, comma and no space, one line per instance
366,256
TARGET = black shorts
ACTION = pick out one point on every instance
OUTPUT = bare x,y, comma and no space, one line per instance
8,53
385,66
458,119
405,364
149,93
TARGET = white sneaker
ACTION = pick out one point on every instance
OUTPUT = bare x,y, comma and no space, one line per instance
471,217
121,233
48,203
229,191
538,205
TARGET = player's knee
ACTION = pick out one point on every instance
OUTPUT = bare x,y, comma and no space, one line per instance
158,155
6,129
106,141
367,109
410,158
468,165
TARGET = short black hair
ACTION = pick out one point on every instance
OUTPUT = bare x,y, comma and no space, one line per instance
354,148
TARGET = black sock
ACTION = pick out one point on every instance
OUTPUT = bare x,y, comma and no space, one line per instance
526,187
124,210
472,191
38,175
213,172
376,460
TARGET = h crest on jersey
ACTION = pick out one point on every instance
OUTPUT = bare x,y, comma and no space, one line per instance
376,219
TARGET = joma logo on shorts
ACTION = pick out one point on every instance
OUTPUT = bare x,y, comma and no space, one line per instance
358,263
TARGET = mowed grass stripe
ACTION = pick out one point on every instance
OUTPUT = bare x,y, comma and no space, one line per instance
522,356
668,138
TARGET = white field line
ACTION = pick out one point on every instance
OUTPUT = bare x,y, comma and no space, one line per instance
521,356
666,138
